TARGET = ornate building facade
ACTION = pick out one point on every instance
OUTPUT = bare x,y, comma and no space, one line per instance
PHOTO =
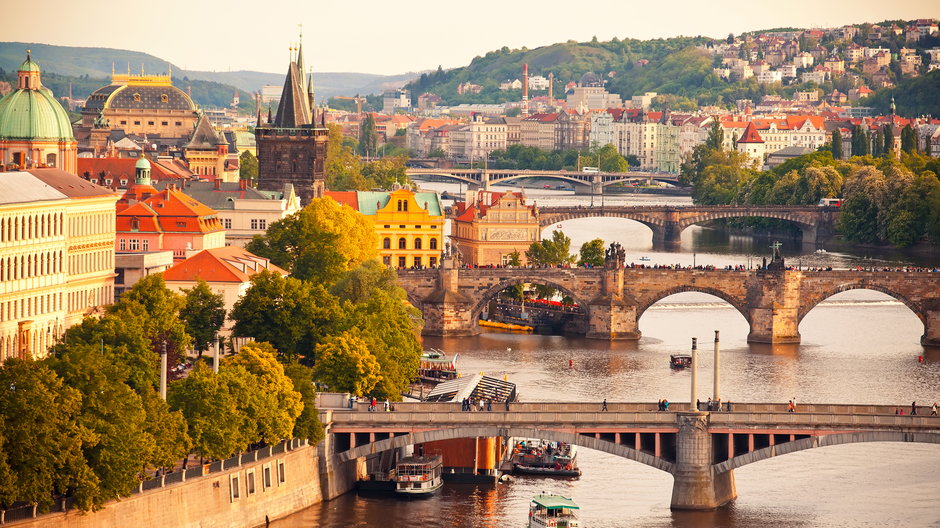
292,148
490,226
56,257
34,128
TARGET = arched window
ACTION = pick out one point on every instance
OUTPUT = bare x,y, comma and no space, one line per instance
417,243
136,97
50,160
387,243
401,243
164,98
433,243
399,205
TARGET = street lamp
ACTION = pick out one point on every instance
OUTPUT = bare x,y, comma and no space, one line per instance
163,372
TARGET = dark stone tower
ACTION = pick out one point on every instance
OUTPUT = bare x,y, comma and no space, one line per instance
292,148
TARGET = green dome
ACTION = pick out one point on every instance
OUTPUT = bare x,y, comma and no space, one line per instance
33,114
28,66
142,163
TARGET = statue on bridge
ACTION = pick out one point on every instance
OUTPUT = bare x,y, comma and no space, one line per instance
776,260
615,256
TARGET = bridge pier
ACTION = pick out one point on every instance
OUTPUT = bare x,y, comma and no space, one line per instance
931,335
774,299
697,485
610,316
667,235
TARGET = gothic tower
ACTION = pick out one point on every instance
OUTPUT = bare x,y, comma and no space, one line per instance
292,147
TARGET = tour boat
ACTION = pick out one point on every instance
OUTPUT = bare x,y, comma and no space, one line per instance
553,511
535,457
436,367
680,361
418,475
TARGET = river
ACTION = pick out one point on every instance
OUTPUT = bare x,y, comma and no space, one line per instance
857,347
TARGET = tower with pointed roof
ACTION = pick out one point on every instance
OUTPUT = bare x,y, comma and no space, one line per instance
206,151
292,145
35,131
752,144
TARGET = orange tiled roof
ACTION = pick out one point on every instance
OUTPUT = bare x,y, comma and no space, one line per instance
225,264
169,211
750,135
349,198
118,168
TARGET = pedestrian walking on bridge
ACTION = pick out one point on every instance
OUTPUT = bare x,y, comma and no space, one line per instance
604,405
791,407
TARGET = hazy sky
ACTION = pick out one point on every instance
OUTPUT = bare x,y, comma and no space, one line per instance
390,37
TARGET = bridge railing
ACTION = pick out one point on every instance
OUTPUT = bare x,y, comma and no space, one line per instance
613,406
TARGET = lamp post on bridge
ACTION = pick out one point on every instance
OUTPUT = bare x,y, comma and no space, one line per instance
692,399
163,372
716,396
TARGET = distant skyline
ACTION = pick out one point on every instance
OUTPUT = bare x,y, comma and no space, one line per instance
391,38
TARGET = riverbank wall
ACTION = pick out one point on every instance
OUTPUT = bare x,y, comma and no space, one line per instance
246,491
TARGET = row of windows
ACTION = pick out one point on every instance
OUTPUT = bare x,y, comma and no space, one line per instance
90,298
37,341
259,223
402,262
30,227
30,307
403,243
267,480
92,261
91,224
387,226
151,123
133,244
34,265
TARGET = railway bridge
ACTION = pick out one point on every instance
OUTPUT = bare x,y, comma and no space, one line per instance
772,301
699,449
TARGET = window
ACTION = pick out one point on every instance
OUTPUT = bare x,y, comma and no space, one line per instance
402,243
136,122
259,223
123,183
123,245
227,223
234,487
164,123
417,227
150,123
266,481
124,122
387,226
281,474
164,99
145,245
134,245
401,262
179,123
417,243
137,99
387,260
250,482
432,261
417,262
387,243
433,244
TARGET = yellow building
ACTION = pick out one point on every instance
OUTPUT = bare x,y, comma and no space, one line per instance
490,226
56,256
409,225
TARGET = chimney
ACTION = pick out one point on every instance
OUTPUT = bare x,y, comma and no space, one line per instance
243,184
551,82
218,184
525,90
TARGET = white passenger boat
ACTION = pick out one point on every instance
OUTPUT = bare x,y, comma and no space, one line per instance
553,511
419,475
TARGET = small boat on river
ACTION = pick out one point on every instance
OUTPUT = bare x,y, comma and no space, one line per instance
419,475
553,511
535,457
435,366
680,361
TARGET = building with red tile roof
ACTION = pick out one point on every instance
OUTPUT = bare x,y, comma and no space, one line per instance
151,220
490,226
228,270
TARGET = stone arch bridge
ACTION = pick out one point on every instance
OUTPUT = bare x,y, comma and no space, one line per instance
583,182
699,449
815,223
772,302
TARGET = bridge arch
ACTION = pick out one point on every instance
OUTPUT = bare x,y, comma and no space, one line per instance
491,292
473,431
813,300
825,441
738,304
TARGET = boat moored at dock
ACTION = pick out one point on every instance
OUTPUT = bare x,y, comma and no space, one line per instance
419,475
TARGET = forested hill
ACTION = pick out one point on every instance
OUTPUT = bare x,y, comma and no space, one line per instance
90,68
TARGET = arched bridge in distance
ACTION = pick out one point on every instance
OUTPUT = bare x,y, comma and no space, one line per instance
667,222
773,302
583,182
699,449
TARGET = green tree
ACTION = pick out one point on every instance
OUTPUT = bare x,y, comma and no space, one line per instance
343,167
384,173
515,259
359,284
592,253
308,424
861,146
908,139
291,314
553,252
611,160
716,136
271,403
345,364
203,312
368,139
43,441
837,144
247,166
319,242
888,140
217,426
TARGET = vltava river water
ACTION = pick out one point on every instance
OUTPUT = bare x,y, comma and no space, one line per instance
859,347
